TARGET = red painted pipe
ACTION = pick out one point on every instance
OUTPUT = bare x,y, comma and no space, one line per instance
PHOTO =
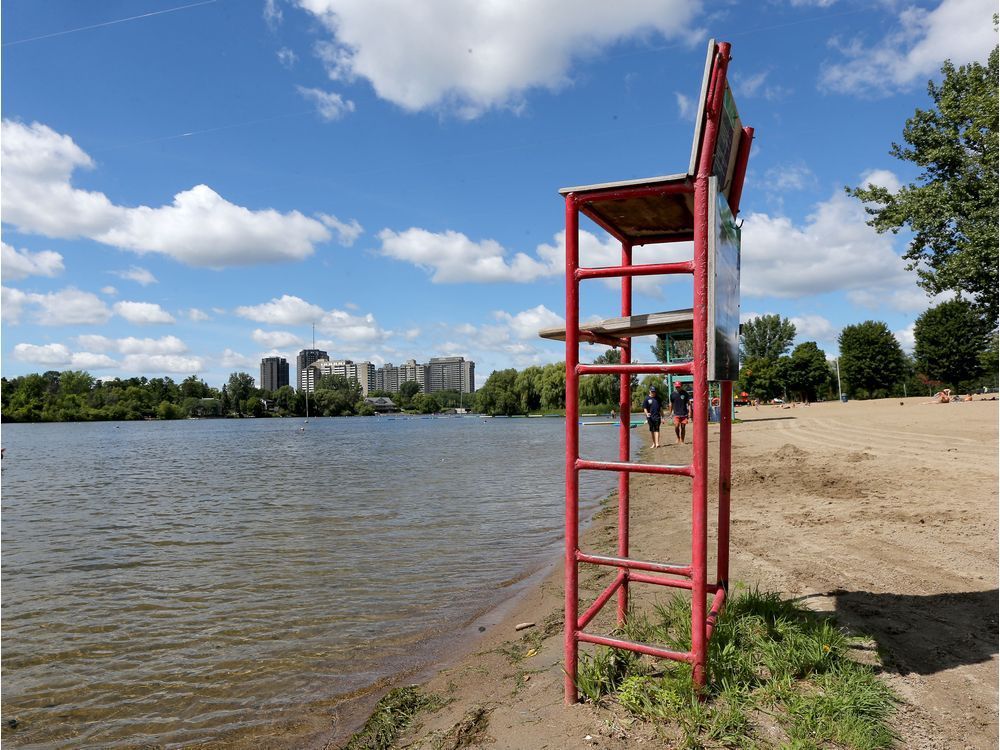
572,447
594,608
624,439
619,562
646,368
725,480
623,466
642,648
648,269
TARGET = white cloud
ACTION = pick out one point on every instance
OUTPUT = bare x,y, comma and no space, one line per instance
956,30
346,233
143,313
354,329
92,361
162,363
197,316
109,290
18,264
411,334
329,105
230,358
527,323
199,228
47,354
287,58
275,339
814,328
452,257
906,338
94,342
912,299
881,178
163,345
69,306
685,106
288,310
138,275
12,303
272,13
474,56
834,250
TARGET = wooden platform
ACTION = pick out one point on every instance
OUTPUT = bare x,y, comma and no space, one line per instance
614,330
639,218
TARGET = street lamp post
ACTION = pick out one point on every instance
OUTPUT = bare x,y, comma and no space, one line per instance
840,391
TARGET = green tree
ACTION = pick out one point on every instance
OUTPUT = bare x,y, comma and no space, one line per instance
553,386
407,390
766,337
951,209
761,378
425,403
949,342
805,373
240,388
528,385
871,360
335,395
498,394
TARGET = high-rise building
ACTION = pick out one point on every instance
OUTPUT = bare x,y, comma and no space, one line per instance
387,378
304,376
451,374
363,373
273,373
410,370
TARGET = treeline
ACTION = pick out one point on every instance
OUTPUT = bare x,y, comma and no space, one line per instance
76,396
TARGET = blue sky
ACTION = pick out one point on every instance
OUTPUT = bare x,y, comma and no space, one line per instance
187,187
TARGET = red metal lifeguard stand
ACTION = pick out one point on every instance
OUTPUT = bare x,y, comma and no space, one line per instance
698,205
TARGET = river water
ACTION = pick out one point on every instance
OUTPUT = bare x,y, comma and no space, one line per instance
167,582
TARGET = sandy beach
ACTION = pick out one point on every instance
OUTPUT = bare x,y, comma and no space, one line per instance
884,512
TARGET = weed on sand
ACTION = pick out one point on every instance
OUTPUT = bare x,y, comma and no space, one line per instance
391,716
770,660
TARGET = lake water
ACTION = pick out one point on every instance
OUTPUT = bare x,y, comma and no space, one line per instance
166,582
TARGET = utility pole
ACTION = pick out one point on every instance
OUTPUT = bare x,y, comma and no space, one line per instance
840,390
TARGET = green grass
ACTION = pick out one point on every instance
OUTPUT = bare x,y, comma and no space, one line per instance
391,716
769,657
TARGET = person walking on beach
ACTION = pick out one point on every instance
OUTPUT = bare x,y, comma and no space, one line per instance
651,408
679,409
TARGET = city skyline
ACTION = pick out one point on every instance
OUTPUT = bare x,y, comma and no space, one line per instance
186,192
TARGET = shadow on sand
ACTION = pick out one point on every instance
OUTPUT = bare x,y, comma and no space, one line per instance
924,634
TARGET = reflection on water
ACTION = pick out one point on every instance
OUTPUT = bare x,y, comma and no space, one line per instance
166,581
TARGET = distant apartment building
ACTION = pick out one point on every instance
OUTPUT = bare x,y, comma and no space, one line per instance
361,372
304,375
451,374
440,374
273,373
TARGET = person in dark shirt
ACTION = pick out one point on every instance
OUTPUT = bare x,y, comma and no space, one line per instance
679,409
651,408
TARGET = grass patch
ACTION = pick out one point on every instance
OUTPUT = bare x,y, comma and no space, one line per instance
392,715
769,657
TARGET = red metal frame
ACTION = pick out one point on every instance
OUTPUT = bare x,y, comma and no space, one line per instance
692,576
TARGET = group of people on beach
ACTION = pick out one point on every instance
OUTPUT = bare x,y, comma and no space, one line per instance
680,412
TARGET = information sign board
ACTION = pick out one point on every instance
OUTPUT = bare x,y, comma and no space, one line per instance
723,287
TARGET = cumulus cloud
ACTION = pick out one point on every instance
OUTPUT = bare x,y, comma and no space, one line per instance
199,227
527,323
474,56
162,363
914,49
795,177
143,313
59,355
109,290
834,250
881,178
275,339
197,316
286,310
138,275
451,257
906,338
814,328
329,105
162,345
353,329
19,264
68,306
230,358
